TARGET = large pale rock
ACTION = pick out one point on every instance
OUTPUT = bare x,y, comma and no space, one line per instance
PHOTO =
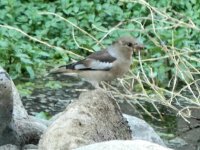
94,117
124,145
142,130
16,127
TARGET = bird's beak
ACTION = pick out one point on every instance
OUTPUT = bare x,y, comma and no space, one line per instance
139,47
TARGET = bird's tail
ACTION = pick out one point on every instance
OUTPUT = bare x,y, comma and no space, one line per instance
63,70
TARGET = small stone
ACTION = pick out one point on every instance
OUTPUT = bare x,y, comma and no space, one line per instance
43,100
41,95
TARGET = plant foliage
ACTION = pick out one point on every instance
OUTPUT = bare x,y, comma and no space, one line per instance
169,30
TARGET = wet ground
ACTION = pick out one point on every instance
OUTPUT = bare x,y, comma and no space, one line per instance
51,98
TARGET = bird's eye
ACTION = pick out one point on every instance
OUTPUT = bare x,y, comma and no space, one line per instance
129,44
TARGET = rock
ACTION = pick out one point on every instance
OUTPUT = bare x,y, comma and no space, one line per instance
177,143
25,127
191,138
28,131
40,121
129,109
124,145
16,126
55,117
142,130
139,128
9,147
6,102
30,147
190,132
94,117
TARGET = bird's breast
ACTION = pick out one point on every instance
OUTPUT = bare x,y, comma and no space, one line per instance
120,68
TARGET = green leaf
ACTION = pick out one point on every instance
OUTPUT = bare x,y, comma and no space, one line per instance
43,54
30,72
21,55
22,19
76,9
26,60
18,67
43,115
3,44
96,47
53,85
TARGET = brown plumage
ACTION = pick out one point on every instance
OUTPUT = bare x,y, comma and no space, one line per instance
104,65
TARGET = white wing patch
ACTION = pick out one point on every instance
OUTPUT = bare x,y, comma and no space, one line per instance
80,66
94,64
98,65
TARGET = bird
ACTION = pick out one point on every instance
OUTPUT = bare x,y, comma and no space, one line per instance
105,65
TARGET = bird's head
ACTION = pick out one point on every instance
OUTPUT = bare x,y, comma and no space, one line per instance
130,43
127,46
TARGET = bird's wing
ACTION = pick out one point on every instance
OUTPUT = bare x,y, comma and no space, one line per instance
100,60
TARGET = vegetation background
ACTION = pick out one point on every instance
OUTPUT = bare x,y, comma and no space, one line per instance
37,35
